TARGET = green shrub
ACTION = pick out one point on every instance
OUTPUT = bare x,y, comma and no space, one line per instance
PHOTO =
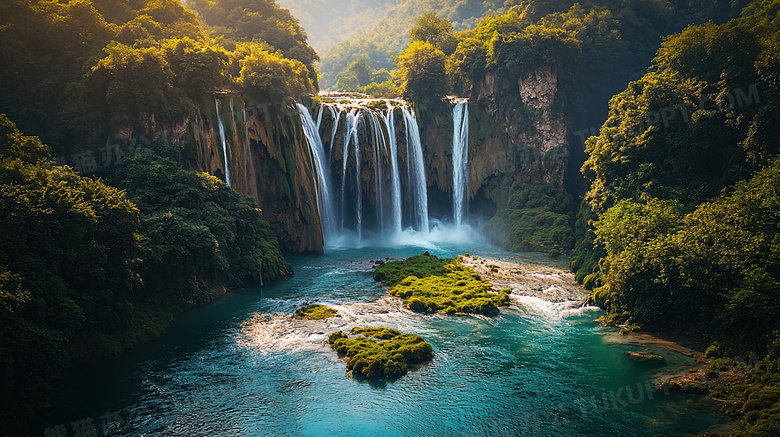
378,353
315,312
434,285
393,272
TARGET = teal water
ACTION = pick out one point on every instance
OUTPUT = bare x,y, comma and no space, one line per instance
240,367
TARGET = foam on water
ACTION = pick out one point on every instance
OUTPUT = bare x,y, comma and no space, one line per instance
278,332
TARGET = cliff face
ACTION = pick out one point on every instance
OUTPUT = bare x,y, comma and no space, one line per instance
268,159
517,134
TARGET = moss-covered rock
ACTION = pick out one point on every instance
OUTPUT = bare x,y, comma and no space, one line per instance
434,285
421,266
379,353
315,312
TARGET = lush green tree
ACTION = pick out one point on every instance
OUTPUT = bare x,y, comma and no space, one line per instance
196,67
684,182
435,30
381,75
362,70
268,76
424,71
467,65
721,259
135,81
196,228
347,81
356,75
67,268
261,21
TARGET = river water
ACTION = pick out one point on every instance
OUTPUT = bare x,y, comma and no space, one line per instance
241,367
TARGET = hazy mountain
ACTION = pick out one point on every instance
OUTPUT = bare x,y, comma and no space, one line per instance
328,22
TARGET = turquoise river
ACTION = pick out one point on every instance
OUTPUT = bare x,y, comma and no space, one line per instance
241,366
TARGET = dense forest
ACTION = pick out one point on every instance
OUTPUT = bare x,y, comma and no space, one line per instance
642,22
94,262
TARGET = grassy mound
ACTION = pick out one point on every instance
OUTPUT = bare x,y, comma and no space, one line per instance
377,353
421,266
440,285
315,312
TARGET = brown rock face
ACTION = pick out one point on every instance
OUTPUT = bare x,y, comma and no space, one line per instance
268,159
516,134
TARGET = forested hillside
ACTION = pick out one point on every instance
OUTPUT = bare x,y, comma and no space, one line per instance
328,22
683,182
388,37
680,228
91,266
380,42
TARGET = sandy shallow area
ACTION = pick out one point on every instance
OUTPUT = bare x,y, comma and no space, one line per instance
550,284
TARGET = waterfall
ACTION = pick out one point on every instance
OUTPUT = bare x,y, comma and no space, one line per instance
322,170
351,138
319,117
394,173
224,141
460,161
336,117
417,166
380,148
369,201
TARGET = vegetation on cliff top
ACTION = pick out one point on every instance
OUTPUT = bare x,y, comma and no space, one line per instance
315,312
377,353
431,285
112,64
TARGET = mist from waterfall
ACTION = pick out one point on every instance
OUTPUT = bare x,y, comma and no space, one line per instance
460,161
223,139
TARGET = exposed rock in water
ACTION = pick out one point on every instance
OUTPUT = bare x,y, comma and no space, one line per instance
543,282
646,358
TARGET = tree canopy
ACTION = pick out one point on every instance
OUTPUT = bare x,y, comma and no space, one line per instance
423,71
114,63
684,180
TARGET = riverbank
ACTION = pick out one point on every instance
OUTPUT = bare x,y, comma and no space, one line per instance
671,374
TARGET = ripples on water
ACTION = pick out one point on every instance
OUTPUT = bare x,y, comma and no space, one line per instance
243,367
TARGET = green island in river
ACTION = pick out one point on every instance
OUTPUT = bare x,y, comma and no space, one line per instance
428,284
315,312
378,353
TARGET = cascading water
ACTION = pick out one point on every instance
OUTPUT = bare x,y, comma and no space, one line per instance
224,141
351,138
460,160
395,177
322,169
420,186
371,202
